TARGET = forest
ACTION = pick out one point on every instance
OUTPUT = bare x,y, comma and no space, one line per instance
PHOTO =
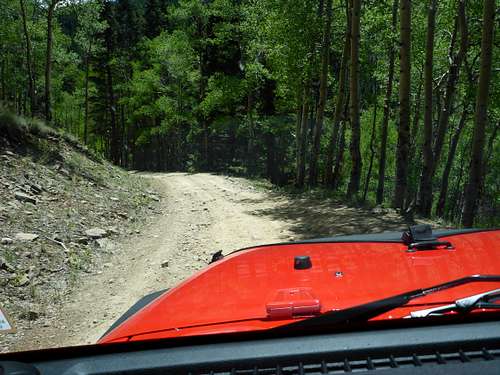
387,102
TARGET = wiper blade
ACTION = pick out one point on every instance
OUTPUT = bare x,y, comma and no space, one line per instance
370,310
477,301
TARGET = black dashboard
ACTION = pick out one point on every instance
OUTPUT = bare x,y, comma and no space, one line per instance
465,348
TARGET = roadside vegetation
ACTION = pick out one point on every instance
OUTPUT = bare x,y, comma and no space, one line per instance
394,103
62,210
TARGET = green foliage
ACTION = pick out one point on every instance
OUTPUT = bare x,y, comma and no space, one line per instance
219,86
223,94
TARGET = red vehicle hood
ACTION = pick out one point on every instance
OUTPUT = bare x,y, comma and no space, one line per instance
258,288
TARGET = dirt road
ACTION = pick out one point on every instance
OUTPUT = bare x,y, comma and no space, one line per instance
201,213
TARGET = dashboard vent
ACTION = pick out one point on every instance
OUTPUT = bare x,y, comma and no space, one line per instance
327,365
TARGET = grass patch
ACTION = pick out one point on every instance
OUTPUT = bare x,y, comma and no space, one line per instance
46,153
78,165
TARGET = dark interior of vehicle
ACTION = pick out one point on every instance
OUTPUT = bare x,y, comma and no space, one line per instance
442,346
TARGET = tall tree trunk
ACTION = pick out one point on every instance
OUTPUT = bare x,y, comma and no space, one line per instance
19,98
404,105
251,135
302,136
298,124
432,156
114,136
476,169
306,107
339,103
122,151
86,116
114,152
387,109
416,117
25,98
486,160
272,170
453,74
372,152
415,156
489,147
356,166
2,78
453,211
48,60
206,164
449,163
339,158
29,60
318,128
426,180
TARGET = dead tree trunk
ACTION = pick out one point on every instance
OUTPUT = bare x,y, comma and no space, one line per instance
478,138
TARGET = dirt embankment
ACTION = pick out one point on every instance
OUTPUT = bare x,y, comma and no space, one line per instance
61,211
200,214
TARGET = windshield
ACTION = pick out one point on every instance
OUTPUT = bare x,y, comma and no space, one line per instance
142,142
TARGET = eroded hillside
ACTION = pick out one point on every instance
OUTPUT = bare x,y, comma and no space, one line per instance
61,209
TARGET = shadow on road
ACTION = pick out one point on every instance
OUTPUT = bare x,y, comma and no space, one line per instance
313,217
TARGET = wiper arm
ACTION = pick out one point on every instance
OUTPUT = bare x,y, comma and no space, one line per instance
370,310
478,301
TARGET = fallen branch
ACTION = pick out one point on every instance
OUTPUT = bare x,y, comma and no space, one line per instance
59,243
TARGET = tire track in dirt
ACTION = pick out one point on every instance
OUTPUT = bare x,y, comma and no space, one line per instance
201,213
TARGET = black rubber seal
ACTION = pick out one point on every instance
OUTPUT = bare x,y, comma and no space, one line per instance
143,302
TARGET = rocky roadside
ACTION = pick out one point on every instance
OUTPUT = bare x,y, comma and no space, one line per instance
61,213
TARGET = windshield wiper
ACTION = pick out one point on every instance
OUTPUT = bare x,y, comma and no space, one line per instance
477,301
370,310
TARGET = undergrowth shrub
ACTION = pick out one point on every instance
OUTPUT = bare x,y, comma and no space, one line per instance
39,129
71,140
36,132
45,152
12,126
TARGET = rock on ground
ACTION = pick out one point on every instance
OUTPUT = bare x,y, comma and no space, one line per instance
26,237
24,197
96,233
